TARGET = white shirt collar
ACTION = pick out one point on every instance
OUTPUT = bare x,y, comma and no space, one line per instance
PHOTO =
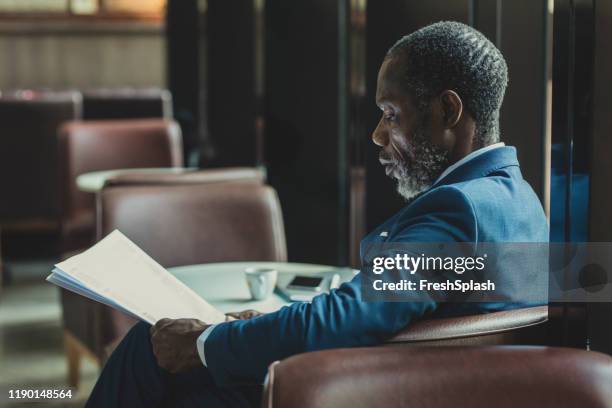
467,158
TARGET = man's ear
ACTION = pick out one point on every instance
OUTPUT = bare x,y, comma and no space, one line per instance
451,107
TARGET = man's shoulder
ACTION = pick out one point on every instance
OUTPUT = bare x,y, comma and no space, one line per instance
503,196
444,198
500,189
445,213
485,208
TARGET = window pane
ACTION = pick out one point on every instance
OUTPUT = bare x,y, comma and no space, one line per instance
84,6
134,6
38,6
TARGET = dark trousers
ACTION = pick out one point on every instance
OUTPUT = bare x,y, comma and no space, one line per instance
131,378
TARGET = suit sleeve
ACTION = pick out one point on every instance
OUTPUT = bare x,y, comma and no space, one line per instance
240,351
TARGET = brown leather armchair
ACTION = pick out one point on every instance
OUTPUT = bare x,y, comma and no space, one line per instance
126,103
519,326
28,159
86,146
436,377
177,224
185,224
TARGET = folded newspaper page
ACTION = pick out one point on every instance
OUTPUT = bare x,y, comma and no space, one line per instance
118,273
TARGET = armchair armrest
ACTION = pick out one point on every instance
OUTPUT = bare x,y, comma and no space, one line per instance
523,326
435,377
189,176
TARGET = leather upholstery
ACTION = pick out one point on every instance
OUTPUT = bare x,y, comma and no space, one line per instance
28,159
180,224
226,174
436,377
518,326
126,103
86,146
198,223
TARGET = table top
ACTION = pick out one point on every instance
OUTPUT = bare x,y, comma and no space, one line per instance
94,181
224,285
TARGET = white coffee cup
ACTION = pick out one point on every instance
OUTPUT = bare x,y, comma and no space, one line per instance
261,282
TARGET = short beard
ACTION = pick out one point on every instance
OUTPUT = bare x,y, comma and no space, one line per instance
423,167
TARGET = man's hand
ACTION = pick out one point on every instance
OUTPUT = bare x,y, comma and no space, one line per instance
174,343
244,315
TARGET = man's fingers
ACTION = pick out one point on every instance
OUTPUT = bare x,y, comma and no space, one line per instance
251,313
160,324
163,322
244,315
174,343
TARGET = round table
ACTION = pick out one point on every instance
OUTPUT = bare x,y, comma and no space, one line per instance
94,181
224,286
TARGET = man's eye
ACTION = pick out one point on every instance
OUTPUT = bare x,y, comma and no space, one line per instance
389,118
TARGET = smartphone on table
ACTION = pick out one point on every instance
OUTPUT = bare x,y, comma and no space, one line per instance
306,283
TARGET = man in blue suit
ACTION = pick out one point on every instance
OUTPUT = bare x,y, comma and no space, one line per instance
440,90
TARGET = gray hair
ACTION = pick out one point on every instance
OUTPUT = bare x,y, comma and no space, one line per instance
454,56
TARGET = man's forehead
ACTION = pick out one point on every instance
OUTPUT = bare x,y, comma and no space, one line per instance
389,81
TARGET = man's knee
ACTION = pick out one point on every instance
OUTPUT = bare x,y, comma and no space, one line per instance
139,331
136,343
139,334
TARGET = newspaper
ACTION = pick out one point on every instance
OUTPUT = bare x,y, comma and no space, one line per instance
119,274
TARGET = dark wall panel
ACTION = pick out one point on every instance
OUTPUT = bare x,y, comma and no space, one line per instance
600,314
301,115
231,83
184,26
523,43
485,15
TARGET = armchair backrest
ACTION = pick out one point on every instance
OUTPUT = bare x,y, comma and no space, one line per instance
126,103
184,224
437,377
87,146
28,153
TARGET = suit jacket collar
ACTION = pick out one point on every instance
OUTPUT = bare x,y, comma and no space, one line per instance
481,166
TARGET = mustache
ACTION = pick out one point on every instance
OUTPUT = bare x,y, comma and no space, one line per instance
386,159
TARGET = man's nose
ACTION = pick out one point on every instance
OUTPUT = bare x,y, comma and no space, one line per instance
379,136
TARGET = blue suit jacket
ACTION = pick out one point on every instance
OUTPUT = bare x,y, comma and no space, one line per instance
483,200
